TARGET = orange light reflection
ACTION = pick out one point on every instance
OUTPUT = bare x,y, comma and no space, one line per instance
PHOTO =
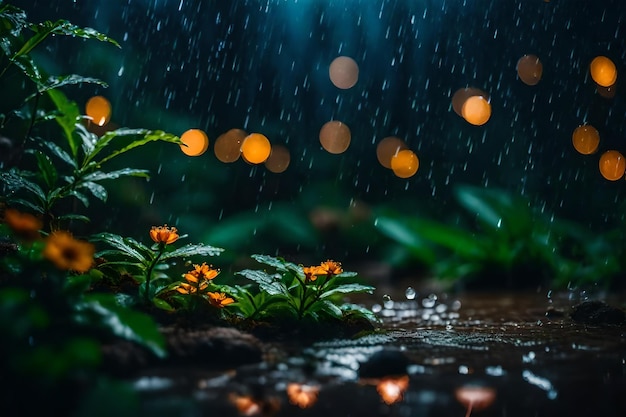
391,389
302,395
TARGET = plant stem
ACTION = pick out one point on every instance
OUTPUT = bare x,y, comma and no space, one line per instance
149,271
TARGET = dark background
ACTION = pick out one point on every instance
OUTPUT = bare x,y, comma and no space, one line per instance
262,65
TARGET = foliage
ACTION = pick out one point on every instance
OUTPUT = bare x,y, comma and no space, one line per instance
292,291
140,261
53,322
74,168
505,240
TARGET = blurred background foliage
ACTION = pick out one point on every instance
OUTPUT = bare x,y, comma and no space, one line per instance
509,199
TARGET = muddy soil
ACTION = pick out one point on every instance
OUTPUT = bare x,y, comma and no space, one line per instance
488,354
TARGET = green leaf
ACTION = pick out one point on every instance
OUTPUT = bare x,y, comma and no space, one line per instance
60,153
12,20
497,209
96,190
139,137
162,304
126,172
398,231
266,282
47,169
29,68
87,138
69,115
355,309
63,27
192,250
78,284
349,289
26,203
279,263
327,307
63,80
121,245
15,180
78,217
122,322
80,196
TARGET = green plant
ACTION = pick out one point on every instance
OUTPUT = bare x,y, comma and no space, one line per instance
505,242
146,264
71,170
294,292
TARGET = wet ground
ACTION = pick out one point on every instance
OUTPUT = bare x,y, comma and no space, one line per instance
481,354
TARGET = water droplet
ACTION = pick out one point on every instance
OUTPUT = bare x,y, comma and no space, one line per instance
410,293
387,301
430,301
376,308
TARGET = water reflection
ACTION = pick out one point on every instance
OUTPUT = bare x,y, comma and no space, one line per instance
302,395
391,390
475,398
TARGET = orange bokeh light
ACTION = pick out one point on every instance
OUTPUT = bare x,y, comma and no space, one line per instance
405,163
612,165
335,137
476,110
387,148
344,72
586,139
529,69
391,389
462,94
194,142
227,146
279,159
304,396
603,71
256,148
98,109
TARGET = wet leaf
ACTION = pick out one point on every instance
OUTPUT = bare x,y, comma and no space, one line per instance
103,310
138,138
121,245
126,172
60,153
15,180
67,118
192,250
47,169
266,282
96,190
349,289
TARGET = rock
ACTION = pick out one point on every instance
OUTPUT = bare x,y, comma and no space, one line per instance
598,312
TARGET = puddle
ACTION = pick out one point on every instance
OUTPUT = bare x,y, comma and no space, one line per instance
487,354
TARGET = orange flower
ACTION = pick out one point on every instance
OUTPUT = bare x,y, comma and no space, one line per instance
310,273
330,268
68,253
164,234
23,224
185,288
219,299
201,272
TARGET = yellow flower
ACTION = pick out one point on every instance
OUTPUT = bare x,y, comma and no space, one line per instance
23,224
219,299
185,288
201,272
68,253
330,268
164,234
